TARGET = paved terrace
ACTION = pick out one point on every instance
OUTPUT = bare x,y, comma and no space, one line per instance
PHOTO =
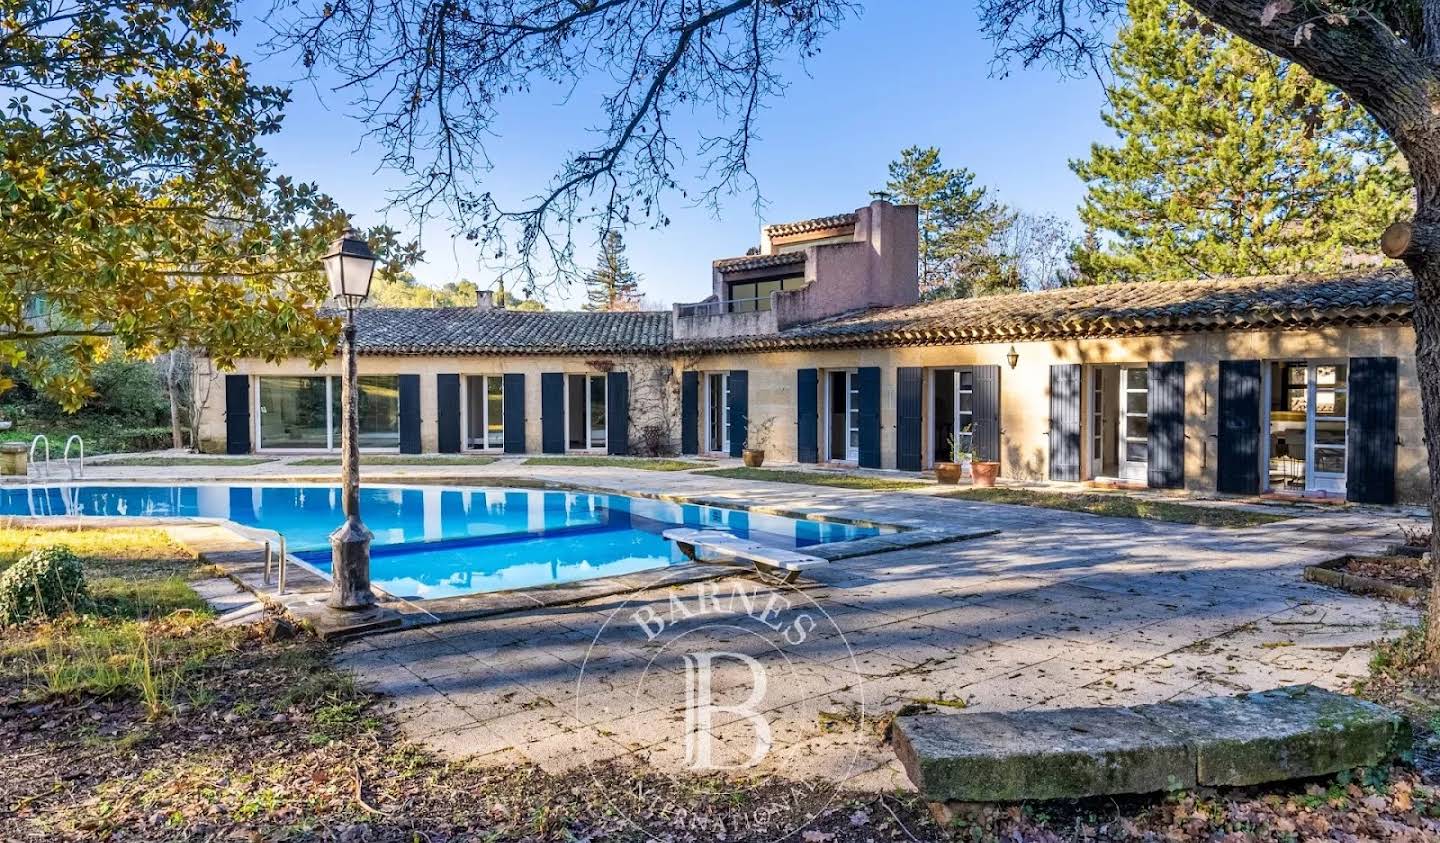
1058,609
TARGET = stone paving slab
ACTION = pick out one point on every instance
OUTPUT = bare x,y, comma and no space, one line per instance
1287,733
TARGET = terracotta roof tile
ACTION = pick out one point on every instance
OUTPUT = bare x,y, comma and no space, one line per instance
759,261
467,330
1159,307
784,229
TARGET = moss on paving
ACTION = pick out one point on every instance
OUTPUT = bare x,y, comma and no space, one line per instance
380,459
642,463
166,462
1119,505
817,478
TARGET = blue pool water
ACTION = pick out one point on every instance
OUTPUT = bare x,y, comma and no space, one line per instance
439,542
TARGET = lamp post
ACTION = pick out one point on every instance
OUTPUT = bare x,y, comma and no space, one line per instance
350,264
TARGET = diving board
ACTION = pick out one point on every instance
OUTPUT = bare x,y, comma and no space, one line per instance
727,548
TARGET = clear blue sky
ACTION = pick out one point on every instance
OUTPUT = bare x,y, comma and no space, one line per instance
904,73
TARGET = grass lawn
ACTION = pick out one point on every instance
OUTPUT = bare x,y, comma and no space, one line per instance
817,478
166,462
642,463
385,459
1121,506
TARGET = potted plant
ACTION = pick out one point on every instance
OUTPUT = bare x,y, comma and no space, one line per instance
983,473
949,473
756,441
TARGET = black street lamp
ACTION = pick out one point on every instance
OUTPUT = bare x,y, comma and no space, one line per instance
350,265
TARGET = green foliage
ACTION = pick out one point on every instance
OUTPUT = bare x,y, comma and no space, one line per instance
612,285
640,463
44,583
817,478
960,226
138,212
1230,161
401,289
1118,505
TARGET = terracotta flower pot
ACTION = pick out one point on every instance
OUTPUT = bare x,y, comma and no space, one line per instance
753,458
948,472
983,474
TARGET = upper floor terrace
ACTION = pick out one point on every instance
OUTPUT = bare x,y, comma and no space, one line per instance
809,270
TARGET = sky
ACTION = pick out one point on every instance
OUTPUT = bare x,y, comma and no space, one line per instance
906,72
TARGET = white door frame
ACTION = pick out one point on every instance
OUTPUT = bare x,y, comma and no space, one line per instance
590,379
1133,470
852,421
465,444
1329,482
1095,413
706,401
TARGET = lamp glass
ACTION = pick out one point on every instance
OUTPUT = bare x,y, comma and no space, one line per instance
349,266
1012,357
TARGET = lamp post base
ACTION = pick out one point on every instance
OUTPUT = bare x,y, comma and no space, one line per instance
350,567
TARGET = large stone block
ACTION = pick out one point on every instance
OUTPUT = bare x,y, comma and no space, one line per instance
990,757
1248,739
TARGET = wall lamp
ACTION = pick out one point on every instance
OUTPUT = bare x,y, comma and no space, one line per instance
1012,357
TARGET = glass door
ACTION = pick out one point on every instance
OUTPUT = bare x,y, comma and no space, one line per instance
1329,394
1134,432
852,417
586,414
717,412
1097,422
485,412
965,410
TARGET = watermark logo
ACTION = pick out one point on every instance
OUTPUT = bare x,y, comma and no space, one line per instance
733,680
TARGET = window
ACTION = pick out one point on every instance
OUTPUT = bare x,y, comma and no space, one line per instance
485,412
1309,403
305,413
965,411
717,412
752,296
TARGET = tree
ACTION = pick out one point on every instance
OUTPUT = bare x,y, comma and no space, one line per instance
1035,252
1230,161
612,285
137,209
430,72
959,225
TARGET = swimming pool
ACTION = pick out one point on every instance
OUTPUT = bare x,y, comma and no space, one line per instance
436,541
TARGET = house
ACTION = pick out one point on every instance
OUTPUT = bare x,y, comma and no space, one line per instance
1292,385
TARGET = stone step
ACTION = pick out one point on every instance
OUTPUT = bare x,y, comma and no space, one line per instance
1287,733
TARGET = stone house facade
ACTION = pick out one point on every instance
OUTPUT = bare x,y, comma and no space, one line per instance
1287,385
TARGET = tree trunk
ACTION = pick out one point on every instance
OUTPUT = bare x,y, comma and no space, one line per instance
177,435
1426,268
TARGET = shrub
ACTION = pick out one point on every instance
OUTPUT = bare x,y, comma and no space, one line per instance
44,583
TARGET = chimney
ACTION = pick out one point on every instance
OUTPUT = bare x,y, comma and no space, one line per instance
484,299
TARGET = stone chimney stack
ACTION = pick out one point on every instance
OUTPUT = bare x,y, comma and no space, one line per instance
484,299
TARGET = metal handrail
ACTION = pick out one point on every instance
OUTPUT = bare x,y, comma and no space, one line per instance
717,308
31,462
269,538
74,438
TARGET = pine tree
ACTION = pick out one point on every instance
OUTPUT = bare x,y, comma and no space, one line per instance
959,225
612,285
1230,161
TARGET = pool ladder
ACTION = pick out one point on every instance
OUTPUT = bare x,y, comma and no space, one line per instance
284,557
43,468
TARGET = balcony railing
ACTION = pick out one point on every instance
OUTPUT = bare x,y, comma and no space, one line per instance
718,308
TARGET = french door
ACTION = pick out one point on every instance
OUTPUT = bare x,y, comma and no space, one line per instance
585,412
1134,429
485,412
1307,419
717,412
842,409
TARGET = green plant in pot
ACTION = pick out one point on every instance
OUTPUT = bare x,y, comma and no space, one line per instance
950,473
757,439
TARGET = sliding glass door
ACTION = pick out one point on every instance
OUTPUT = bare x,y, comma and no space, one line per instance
303,412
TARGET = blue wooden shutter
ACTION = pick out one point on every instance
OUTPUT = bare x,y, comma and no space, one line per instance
869,416
1166,445
514,412
1370,441
985,429
409,414
552,412
1237,468
739,404
447,413
617,413
1065,421
689,412
909,401
807,415
237,414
